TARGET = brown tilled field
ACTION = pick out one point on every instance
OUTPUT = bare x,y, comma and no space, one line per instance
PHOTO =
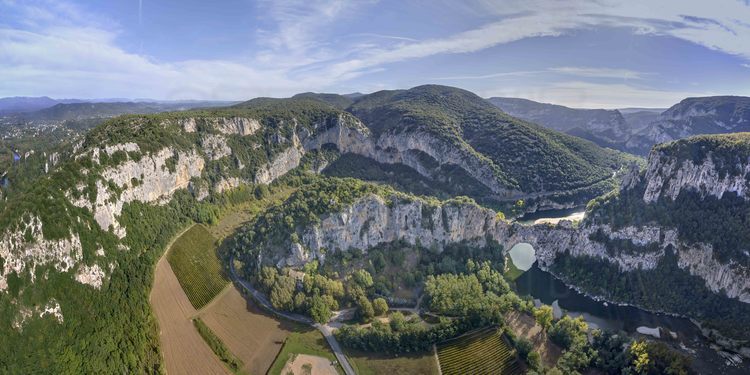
247,331
183,348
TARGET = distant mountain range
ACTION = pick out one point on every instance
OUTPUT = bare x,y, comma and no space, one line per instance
107,107
693,116
635,130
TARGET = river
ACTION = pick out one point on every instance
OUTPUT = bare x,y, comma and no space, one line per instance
545,288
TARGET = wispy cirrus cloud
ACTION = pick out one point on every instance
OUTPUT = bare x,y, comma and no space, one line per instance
590,72
577,71
59,48
581,94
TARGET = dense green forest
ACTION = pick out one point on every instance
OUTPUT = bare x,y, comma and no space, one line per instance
550,160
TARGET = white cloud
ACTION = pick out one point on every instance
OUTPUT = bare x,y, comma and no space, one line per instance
578,94
61,50
746,65
598,72
585,72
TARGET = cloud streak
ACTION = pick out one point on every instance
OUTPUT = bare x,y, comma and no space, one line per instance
57,48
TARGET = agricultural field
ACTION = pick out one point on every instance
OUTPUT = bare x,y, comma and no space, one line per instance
375,363
195,263
252,335
218,347
482,352
184,350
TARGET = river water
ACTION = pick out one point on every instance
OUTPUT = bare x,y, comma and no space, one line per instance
545,288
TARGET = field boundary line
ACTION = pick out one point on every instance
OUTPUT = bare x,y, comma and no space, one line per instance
213,301
437,359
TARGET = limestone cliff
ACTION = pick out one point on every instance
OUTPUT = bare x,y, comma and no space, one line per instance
373,220
666,176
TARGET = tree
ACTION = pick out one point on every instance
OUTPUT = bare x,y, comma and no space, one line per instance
380,306
398,321
319,310
524,347
282,293
639,352
268,277
362,278
366,311
544,316
568,331
534,360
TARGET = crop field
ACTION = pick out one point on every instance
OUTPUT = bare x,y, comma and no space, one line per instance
253,335
184,350
482,352
194,262
365,363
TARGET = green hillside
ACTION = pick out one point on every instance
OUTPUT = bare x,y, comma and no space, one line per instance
525,156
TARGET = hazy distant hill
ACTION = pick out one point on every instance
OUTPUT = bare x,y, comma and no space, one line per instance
693,116
20,104
80,111
606,128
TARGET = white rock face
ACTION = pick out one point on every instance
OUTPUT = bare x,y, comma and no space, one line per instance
732,278
215,146
371,221
228,183
188,125
226,125
127,147
52,307
666,178
20,256
351,136
235,125
90,275
156,184
282,163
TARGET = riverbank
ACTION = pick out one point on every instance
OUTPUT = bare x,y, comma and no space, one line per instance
710,353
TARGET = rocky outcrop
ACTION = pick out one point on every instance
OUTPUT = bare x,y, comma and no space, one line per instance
226,125
666,176
51,308
235,125
149,179
90,275
215,146
282,163
409,148
22,257
373,220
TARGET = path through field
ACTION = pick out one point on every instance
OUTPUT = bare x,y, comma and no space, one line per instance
183,348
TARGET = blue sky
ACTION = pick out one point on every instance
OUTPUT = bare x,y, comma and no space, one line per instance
578,53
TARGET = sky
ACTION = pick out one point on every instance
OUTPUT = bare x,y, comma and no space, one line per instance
588,54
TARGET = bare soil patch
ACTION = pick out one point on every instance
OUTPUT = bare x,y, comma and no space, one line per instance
251,334
183,348
305,364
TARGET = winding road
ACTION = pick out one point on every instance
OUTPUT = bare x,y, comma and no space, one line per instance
325,329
